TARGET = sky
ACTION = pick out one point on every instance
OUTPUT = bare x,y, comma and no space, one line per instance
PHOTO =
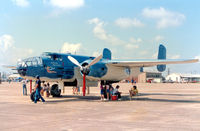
131,29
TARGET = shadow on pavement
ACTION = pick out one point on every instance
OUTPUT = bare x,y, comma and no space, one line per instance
141,97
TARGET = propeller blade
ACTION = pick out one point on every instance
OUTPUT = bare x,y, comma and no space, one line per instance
73,60
97,59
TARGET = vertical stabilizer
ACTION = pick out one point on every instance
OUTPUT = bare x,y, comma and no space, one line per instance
161,56
107,54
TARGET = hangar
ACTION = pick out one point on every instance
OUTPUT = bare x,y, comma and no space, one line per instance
176,77
155,77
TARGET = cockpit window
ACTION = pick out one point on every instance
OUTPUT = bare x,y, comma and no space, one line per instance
28,63
39,60
23,64
53,56
56,57
33,61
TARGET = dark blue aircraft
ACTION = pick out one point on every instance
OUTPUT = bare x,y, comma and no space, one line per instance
73,70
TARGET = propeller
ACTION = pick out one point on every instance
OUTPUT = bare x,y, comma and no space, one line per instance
85,68
73,60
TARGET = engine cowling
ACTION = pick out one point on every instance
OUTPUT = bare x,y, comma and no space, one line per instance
97,70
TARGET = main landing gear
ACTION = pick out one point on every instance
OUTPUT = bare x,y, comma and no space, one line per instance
55,91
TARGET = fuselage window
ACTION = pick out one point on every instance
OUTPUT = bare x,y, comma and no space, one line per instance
34,63
56,57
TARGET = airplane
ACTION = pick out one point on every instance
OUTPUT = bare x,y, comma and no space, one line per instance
76,70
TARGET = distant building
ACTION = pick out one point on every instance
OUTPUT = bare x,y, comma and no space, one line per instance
154,77
175,77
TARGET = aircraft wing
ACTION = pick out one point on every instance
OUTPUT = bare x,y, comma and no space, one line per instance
9,66
148,63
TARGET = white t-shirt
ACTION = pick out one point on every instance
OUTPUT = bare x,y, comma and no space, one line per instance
24,82
115,91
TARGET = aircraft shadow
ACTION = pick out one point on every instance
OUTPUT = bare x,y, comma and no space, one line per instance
68,98
146,94
164,100
71,98
142,98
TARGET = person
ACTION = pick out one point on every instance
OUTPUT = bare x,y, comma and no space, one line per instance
102,91
24,82
78,90
111,90
9,80
48,86
74,90
43,88
48,89
132,81
116,92
37,90
107,92
133,91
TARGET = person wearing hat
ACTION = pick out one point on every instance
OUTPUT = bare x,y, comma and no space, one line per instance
37,89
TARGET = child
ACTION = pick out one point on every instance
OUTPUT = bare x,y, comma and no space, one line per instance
133,91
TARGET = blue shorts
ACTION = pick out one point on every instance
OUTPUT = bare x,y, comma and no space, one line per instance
107,91
102,92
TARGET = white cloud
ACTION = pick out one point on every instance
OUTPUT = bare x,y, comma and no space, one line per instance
127,22
6,42
159,38
95,54
21,3
174,56
70,47
9,53
131,46
134,40
66,4
101,33
197,57
143,52
164,17
155,55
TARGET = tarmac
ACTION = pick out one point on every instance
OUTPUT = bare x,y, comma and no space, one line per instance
158,107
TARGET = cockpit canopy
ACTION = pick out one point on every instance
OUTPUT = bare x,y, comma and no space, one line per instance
32,61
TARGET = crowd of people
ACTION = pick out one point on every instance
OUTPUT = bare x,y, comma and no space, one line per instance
108,91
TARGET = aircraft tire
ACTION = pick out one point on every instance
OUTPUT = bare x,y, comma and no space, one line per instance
32,96
55,91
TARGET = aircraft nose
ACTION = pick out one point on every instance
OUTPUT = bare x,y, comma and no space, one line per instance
22,71
22,68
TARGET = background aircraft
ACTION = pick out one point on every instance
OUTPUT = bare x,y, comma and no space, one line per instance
73,70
